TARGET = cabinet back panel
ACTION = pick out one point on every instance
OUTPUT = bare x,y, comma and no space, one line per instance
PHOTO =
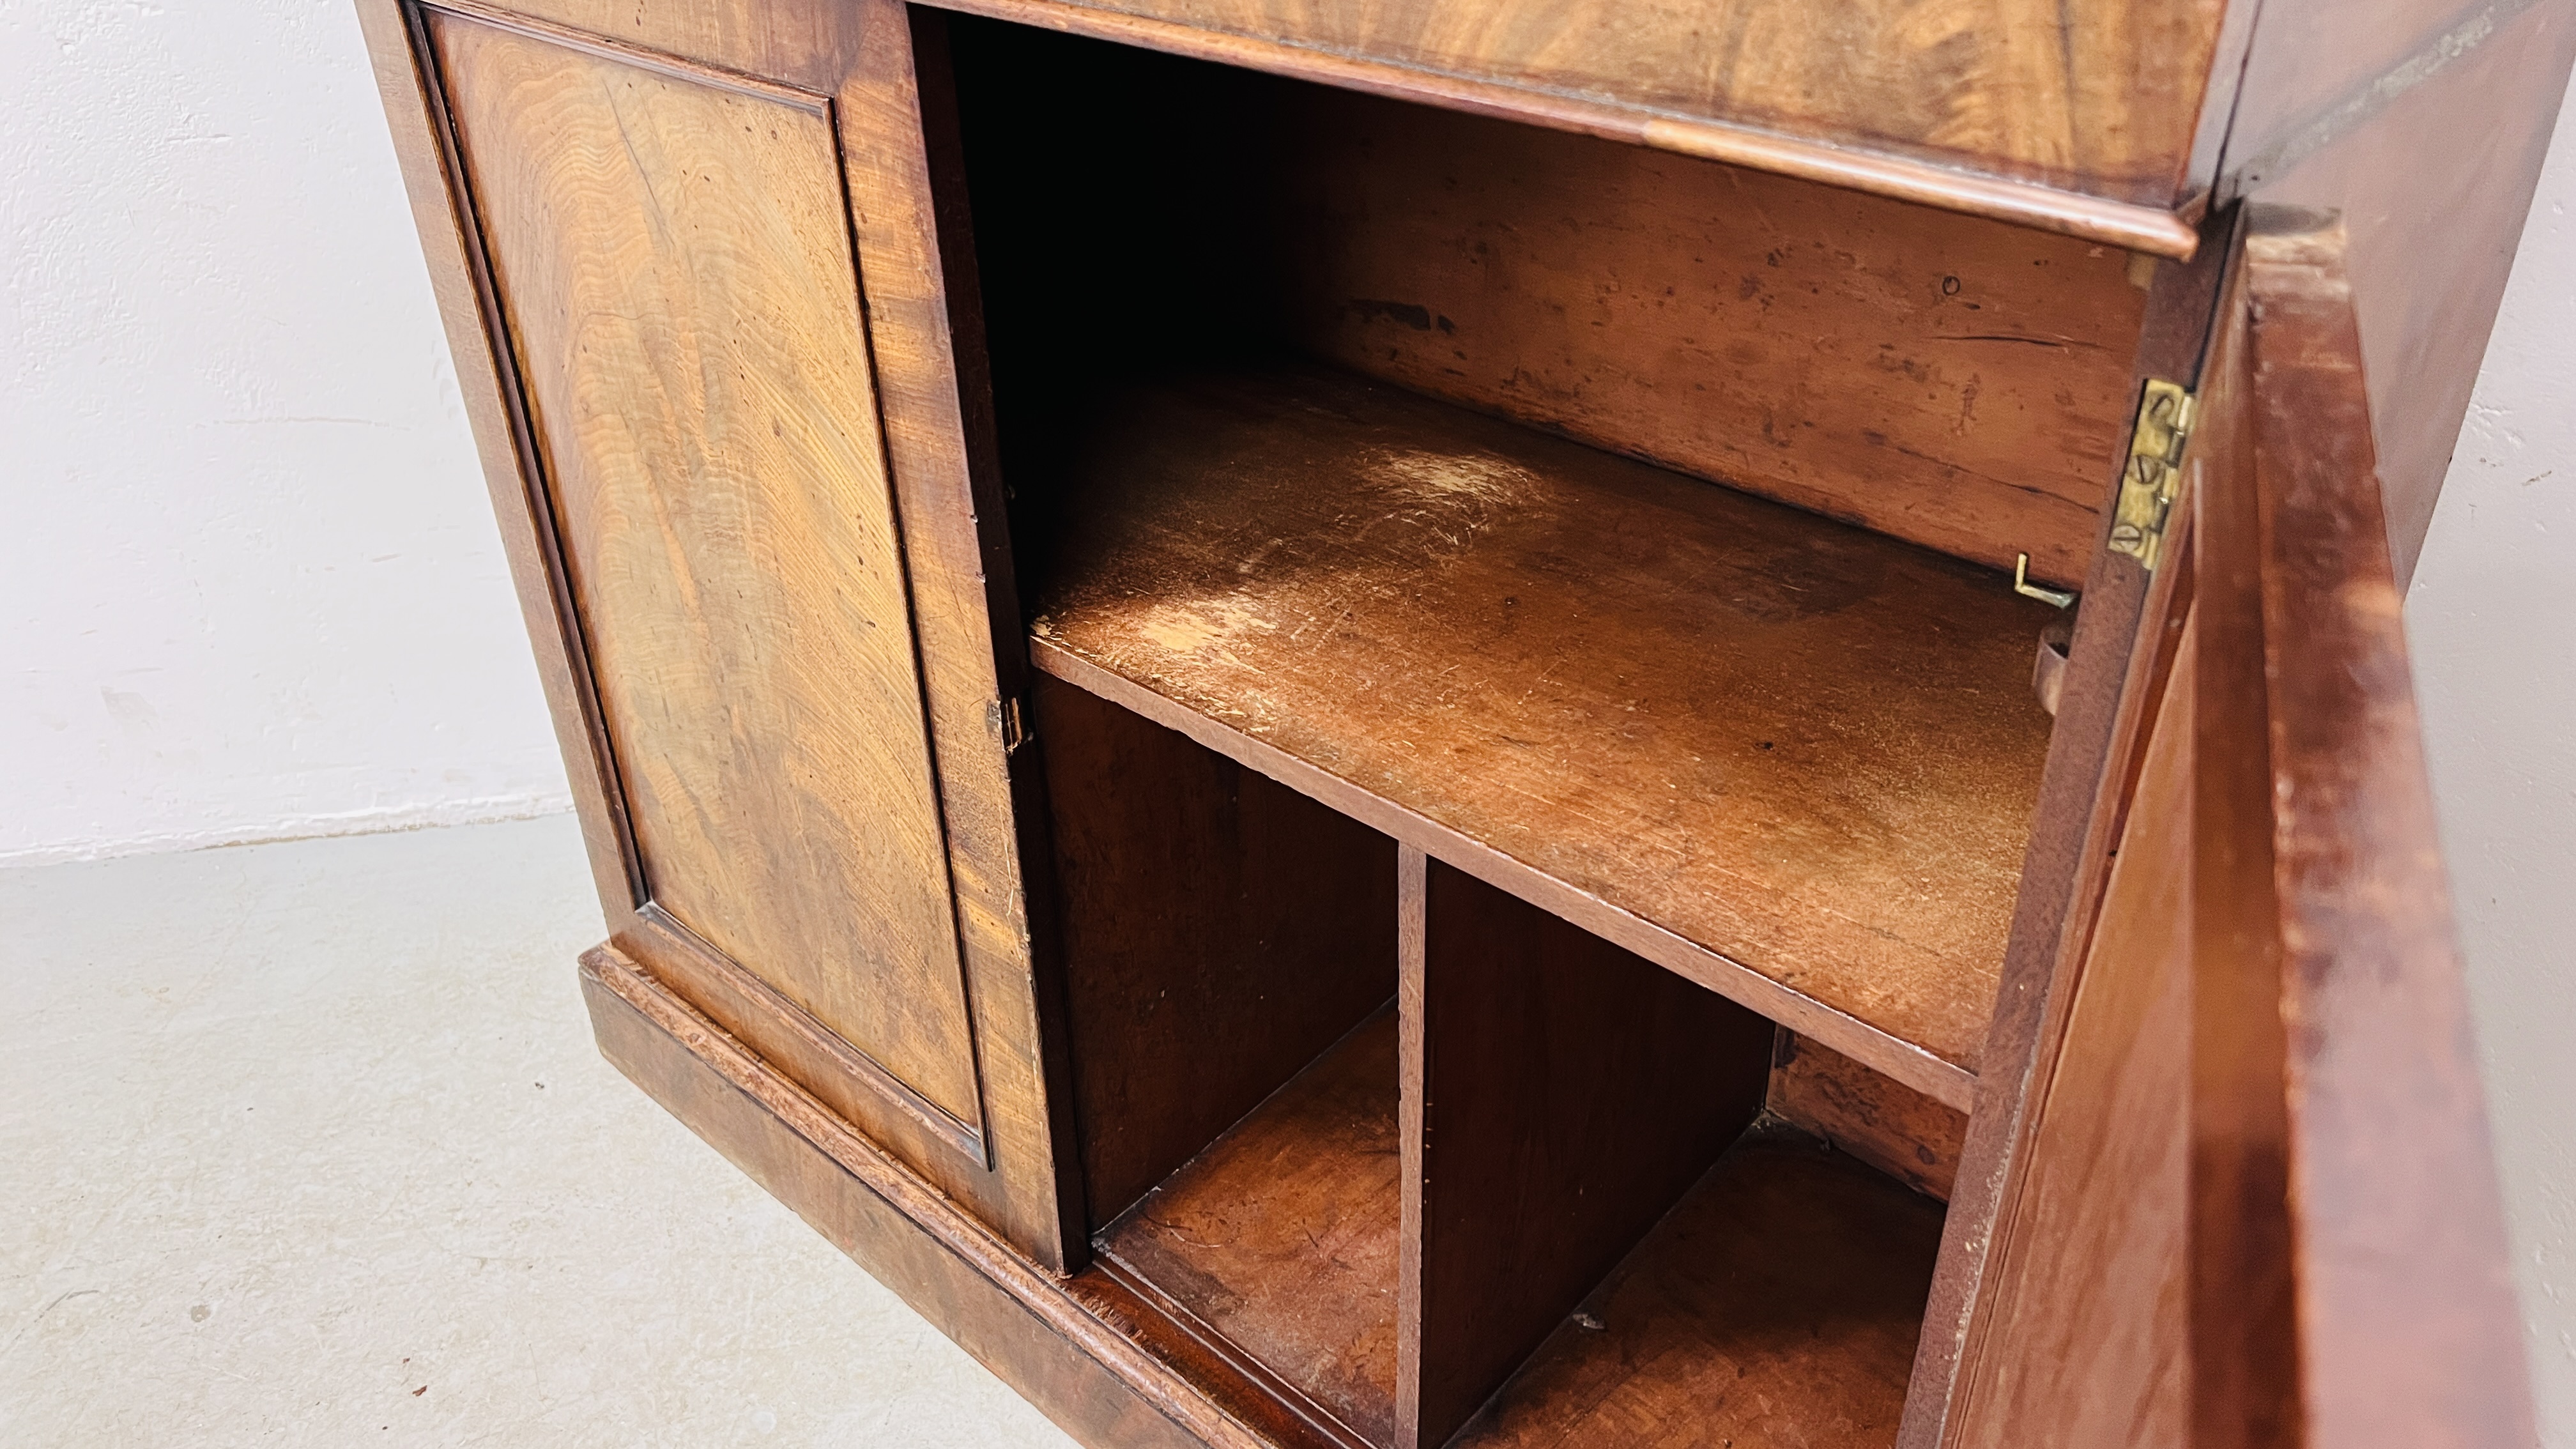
730,540
1951,381
1945,379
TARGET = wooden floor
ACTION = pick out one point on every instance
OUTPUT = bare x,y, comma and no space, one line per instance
1281,1238
1794,746
1775,1308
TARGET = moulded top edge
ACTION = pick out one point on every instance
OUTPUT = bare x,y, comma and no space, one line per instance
1998,109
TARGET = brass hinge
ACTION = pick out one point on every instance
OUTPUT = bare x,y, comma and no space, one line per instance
2154,473
1014,726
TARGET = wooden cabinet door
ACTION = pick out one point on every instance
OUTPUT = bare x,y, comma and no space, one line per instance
2252,1201
690,250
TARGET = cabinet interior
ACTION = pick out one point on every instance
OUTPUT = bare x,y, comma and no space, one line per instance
1635,529
1433,1165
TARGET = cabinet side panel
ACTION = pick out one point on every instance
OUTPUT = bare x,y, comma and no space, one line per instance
2089,1279
672,256
413,112
2434,187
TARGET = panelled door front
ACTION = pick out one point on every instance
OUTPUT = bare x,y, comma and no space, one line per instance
757,543
2254,1202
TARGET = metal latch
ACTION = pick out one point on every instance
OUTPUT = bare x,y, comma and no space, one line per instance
2042,592
2154,473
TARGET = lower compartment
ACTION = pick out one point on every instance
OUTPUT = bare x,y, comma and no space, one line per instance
1549,1193
1776,1306
1281,1241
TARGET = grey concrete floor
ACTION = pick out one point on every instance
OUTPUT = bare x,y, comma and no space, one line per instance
307,1144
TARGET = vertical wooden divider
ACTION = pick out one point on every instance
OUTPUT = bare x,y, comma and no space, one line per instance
1558,1095
1219,930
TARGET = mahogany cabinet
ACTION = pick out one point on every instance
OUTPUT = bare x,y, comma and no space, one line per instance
1509,724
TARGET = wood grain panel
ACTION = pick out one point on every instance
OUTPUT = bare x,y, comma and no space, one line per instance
2089,1276
1218,930
676,266
1281,1238
2101,98
1775,1308
2407,1329
1804,747
1943,379
1559,1095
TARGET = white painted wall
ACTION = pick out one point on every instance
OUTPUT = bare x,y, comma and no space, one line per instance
2492,624
249,585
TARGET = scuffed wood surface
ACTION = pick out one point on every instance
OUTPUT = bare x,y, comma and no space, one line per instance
1807,748
1281,1237
1945,379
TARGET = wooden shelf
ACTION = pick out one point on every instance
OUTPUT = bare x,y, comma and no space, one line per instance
1791,759
1278,1244
1777,1305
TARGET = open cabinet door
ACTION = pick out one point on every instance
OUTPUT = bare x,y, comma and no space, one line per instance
2405,1320
2253,1201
